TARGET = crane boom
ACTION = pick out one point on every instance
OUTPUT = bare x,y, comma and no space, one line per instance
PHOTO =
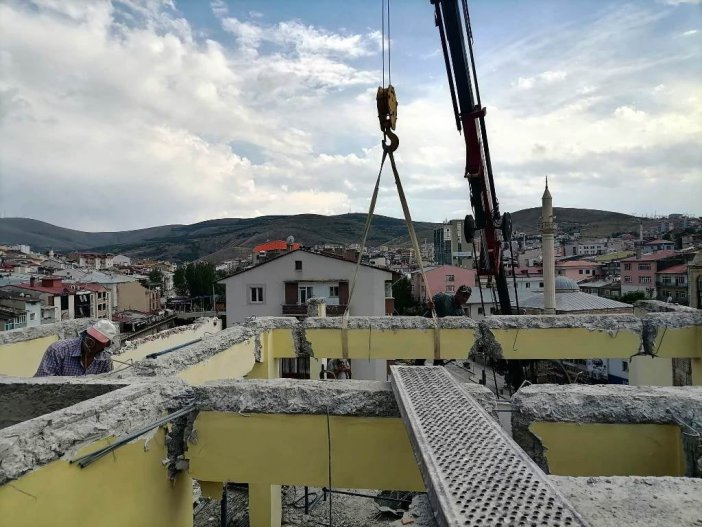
453,21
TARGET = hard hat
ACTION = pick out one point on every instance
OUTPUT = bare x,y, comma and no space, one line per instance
103,331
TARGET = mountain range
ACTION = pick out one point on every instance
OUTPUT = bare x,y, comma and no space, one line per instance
222,239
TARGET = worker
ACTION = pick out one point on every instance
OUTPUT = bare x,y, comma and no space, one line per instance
341,368
447,305
83,355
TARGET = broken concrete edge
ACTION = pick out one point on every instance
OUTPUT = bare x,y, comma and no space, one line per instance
63,330
313,397
657,306
59,435
183,358
198,324
387,323
612,324
606,404
609,403
678,319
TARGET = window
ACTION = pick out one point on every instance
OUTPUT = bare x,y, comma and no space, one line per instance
587,271
679,280
625,366
667,280
680,294
333,291
627,278
32,316
644,279
450,278
305,292
527,285
541,284
450,288
298,265
255,294
627,267
580,271
644,267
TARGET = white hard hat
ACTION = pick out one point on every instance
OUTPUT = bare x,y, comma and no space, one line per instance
103,331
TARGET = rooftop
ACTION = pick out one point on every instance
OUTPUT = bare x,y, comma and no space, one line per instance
675,269
651,257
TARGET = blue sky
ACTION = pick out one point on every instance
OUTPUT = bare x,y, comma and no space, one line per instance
134,113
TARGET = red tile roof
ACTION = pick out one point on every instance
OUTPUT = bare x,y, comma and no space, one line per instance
676,269
658,255
276,245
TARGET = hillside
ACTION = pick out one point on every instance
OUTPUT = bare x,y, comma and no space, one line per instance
589,222
214,240
222,239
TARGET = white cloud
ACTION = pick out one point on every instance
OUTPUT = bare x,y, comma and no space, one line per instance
130,119
689,32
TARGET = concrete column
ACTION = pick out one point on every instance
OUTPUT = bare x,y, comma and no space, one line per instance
651,371
696,365
265,505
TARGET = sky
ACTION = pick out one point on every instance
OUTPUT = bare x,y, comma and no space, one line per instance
134,113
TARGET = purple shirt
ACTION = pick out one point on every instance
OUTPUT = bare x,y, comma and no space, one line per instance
63,358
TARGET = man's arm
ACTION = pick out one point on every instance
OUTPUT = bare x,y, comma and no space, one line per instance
49,364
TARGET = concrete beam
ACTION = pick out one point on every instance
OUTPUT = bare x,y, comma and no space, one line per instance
312,397
63,330
31,444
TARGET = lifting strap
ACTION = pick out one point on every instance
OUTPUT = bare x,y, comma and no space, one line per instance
388,150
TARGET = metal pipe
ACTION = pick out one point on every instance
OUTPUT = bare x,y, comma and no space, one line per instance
86,460
174,348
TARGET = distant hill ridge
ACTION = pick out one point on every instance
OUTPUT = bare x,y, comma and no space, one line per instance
220,239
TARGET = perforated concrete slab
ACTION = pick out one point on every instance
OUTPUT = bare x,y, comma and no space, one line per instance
474,473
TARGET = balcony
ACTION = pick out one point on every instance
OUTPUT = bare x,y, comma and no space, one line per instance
297,310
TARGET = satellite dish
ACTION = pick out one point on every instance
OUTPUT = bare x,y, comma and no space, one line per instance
290,240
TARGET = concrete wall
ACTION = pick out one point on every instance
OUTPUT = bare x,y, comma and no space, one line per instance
137,349
582,430
368,299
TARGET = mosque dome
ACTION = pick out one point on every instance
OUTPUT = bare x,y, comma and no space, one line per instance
566,285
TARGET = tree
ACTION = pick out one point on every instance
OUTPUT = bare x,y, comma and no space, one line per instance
404,302
180,284
156,277
632,297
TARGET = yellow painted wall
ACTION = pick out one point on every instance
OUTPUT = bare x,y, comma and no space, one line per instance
175,339
595,449
232,363
268,368
128,488
650,371
566,343
679,342
387,344
367,453
21,359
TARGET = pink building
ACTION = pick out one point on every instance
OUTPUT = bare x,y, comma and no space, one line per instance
639,273
579,270
444,278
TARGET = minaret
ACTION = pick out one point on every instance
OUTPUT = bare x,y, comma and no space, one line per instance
548,229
